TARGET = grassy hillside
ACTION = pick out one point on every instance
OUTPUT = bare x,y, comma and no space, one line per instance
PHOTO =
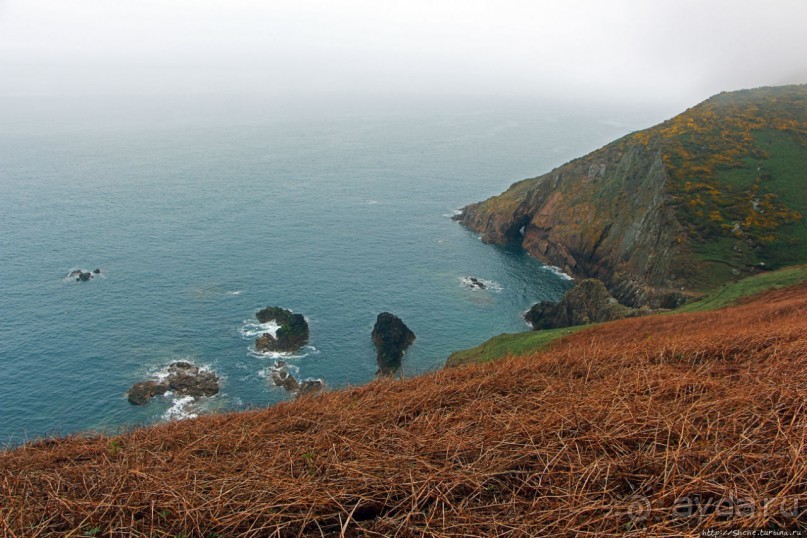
738,179
609,433
505,345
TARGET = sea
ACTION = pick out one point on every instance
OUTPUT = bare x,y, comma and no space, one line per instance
201,210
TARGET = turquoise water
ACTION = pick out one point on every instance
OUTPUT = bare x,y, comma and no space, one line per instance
201,211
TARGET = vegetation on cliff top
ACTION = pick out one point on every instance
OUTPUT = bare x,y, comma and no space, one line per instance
610,432
737,165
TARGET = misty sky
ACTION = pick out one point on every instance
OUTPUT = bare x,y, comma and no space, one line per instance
625,49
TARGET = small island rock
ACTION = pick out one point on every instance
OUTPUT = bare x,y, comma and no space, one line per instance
391,337
292,334
183,378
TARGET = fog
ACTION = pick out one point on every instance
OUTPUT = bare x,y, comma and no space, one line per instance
620,50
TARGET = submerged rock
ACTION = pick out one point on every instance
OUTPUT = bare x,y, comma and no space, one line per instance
476,283
587,302
282,378
391,337
83,276
183,378
292,334
310,387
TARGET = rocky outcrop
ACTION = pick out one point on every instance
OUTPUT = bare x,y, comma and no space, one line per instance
188,380
141,393
182,377
587,302
292,334
391,337
282,378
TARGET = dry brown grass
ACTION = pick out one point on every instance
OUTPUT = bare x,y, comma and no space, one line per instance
632,415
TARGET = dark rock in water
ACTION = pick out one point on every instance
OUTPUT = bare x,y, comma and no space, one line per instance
310,387
265,342
96,271
292,334
273,313
141,393
183,378
84,277
476,283
74,274
189,380
391,337
587,302
284,379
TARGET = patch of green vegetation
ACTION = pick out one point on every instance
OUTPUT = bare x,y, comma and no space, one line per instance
730,293
737,165
781,174
510,344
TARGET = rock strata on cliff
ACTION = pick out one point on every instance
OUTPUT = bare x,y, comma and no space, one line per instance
602,216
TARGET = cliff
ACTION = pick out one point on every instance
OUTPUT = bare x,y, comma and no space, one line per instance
715,194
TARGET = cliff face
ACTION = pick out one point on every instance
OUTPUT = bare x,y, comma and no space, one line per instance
671,208
604,216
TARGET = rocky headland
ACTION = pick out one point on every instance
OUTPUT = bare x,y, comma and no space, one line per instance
659,215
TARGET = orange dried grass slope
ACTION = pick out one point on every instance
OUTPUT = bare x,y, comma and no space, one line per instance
607,433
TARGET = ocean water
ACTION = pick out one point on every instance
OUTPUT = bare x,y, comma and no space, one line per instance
200,211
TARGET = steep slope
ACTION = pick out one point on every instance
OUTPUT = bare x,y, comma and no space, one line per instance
636,427
712,195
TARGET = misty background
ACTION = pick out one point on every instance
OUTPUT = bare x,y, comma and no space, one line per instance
629,51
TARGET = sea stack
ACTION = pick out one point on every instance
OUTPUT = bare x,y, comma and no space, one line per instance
391,337
292,334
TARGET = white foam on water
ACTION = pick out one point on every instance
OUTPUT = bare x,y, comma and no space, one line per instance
236,292
372,202
454,213
181,409
251,329
266,373
489,285
557,271
284,355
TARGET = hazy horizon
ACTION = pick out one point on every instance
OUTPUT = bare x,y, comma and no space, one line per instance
622,51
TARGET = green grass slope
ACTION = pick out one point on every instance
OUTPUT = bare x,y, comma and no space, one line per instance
737,165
